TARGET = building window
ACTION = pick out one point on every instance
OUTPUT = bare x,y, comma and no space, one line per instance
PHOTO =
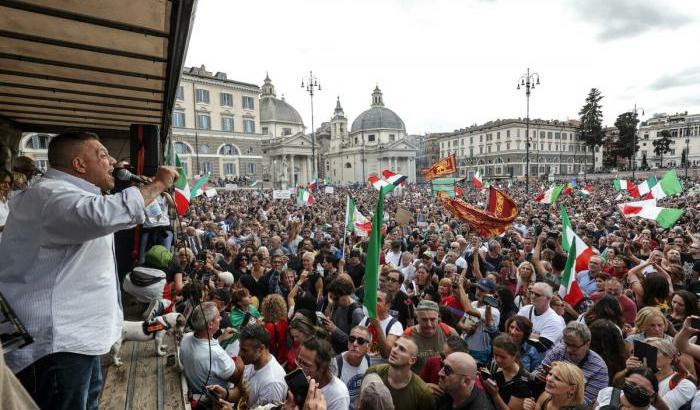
250,168
202,96
264,130
38,141
203,121
498,135
248,102
549,135
205,166
286,131
230,168
204,149
507,146
392,137
182,148
226,100
180,95
507,133
541,134
370,138
228,149
179,119
42,164
557,135
249,126
226,123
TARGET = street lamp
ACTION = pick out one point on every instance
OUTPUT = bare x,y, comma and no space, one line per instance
310,82
528,80
634,146
687,145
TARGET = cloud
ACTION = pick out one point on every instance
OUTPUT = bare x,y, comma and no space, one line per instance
689,76
627,18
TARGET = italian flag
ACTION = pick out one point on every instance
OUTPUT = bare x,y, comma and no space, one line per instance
393,178
373,249
625,185
182,189
477,181
459,191
645,187
585,191
669,185
313,185
551,195
569,290
199,187
569,239
304,197
665,217
354,220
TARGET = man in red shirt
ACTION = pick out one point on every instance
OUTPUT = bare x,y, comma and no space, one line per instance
613,287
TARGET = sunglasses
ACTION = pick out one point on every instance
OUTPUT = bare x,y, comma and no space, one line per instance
360,341
448,370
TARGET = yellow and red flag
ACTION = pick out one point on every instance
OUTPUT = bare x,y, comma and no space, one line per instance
444,167
500,212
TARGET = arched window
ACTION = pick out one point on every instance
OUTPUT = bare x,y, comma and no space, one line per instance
182,148
229,149
348,165
38,141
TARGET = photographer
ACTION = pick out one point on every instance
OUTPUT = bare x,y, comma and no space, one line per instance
479,339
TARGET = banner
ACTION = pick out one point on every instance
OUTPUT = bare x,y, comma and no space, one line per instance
281,194
500,213
446,185
231,187
329,189
444,167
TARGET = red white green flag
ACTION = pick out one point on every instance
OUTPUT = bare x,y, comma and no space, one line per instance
569,290
569,238
182,189
477,180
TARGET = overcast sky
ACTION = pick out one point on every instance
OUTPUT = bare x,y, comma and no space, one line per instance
447,64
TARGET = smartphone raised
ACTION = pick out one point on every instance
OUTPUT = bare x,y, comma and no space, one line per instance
695,323
298,385
646,351
491,301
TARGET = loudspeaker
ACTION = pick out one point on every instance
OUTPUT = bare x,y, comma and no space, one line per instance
145,148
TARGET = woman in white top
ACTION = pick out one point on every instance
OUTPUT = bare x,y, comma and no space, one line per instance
675,389
5,185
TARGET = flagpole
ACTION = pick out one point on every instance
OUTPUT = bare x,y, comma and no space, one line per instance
345,227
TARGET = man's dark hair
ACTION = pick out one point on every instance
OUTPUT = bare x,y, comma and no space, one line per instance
223,294
62,147
340,287
323,349
457,344
257,333
401,277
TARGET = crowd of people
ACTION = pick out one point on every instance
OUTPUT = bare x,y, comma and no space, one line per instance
462,321
273,289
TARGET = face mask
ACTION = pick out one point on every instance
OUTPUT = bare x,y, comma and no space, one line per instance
637,396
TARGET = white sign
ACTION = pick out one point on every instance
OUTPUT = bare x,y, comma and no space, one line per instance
281,194
329,190
231,187
211,192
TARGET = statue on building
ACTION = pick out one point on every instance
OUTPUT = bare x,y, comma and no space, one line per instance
285,172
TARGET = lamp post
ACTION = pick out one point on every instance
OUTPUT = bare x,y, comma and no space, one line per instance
634,146
311,83
687,145
528,80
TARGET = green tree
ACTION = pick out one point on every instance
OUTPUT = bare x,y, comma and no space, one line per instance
662,145
591,128
645,165
626,124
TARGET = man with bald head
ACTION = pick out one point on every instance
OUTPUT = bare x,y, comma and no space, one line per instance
408,391
457,377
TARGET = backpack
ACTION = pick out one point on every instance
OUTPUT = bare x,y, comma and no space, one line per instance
339,363
351,309
388,326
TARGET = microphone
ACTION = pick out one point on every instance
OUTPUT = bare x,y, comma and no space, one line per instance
124,174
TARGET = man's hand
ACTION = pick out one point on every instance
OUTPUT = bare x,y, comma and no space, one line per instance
167,175
328,325
437,390
217,390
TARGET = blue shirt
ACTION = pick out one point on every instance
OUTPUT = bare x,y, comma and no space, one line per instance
586,282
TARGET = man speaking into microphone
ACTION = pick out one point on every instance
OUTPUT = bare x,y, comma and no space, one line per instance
58,268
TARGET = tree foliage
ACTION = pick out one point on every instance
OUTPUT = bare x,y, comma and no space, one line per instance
626,124
645,165
662,145
591,128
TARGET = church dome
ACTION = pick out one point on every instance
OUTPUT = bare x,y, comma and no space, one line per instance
273,109
377,116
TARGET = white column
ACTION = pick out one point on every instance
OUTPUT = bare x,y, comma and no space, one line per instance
293,183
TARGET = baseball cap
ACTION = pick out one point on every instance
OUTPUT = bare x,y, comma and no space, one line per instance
486,285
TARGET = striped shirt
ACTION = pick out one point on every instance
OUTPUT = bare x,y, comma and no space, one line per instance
595,371
58,269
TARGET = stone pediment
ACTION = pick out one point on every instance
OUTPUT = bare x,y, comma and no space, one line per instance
399,145
298,139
